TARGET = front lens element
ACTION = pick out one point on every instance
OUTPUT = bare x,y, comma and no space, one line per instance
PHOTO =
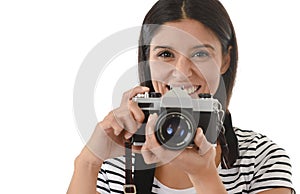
175,130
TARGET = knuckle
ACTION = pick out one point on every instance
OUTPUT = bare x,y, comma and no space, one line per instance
131,104
126,95
140,118
147,160
99,125
112,115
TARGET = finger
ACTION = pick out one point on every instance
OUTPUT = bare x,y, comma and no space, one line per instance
155,86
150,129
136,112
133,92
113,123
147,154
123,117
117,128
201,141
130,126
151,145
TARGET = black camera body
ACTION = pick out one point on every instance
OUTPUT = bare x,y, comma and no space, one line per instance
179,116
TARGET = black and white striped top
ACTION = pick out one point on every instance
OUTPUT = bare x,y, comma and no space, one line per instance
262,165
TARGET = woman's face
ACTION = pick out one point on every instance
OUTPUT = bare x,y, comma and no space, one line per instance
186,54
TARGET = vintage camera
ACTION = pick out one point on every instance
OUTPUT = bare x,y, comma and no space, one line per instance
179,115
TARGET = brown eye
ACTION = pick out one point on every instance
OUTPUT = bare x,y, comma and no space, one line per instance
165,54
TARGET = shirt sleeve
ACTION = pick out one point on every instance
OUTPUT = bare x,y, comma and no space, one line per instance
272,167
102,181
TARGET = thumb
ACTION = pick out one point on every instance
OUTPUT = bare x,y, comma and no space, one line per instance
201,141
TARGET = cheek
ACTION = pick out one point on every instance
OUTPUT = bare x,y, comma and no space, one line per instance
160,71
210,73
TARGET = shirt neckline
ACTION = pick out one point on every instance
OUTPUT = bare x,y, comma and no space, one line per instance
168,190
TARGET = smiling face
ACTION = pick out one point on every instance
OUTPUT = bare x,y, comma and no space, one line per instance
186,54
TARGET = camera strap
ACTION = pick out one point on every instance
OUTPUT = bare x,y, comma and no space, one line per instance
129,187
143,173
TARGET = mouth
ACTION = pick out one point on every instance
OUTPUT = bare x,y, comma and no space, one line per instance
190,90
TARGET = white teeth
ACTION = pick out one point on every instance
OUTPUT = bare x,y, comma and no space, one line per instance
191,90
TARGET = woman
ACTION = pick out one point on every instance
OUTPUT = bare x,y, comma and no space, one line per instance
189,44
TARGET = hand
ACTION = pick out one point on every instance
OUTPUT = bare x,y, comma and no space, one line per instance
121,123
198,160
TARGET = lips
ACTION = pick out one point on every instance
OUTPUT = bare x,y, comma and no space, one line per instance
190,90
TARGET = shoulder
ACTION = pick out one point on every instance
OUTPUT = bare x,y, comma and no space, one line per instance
258,146
245,136
268,163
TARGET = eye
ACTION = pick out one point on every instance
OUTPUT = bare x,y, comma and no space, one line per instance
165,54
201,54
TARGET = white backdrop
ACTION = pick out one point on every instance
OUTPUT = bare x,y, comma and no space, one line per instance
42,46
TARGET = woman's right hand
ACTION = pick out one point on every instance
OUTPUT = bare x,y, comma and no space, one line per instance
120,124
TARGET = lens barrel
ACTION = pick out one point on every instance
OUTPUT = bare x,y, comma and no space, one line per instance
175,129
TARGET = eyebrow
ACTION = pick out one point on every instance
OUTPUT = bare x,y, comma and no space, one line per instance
162,47
205,46
195,47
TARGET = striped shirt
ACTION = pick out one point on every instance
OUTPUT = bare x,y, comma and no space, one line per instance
261,165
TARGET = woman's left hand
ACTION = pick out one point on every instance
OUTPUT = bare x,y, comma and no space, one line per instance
196,161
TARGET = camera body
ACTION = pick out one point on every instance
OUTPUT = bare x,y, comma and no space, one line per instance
179,116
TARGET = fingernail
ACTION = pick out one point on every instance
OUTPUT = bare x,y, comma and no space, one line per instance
145,88
150,117
154,115
200,130
117,132
127,135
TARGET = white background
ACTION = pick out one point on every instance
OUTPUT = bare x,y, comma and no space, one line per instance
43,43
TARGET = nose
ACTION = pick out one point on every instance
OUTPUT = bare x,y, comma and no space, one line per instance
183,67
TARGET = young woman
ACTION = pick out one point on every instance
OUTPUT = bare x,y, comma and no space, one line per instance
189,44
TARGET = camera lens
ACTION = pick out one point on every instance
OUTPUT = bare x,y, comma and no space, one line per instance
175,130
173,127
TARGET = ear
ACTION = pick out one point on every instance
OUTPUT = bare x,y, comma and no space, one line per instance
226,61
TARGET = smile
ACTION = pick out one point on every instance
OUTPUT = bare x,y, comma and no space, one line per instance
190,90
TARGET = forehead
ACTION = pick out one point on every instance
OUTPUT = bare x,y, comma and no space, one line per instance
185,33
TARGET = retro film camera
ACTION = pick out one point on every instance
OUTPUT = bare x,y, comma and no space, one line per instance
179,115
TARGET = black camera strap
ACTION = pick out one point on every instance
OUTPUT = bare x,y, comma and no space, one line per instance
143,173
129,187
